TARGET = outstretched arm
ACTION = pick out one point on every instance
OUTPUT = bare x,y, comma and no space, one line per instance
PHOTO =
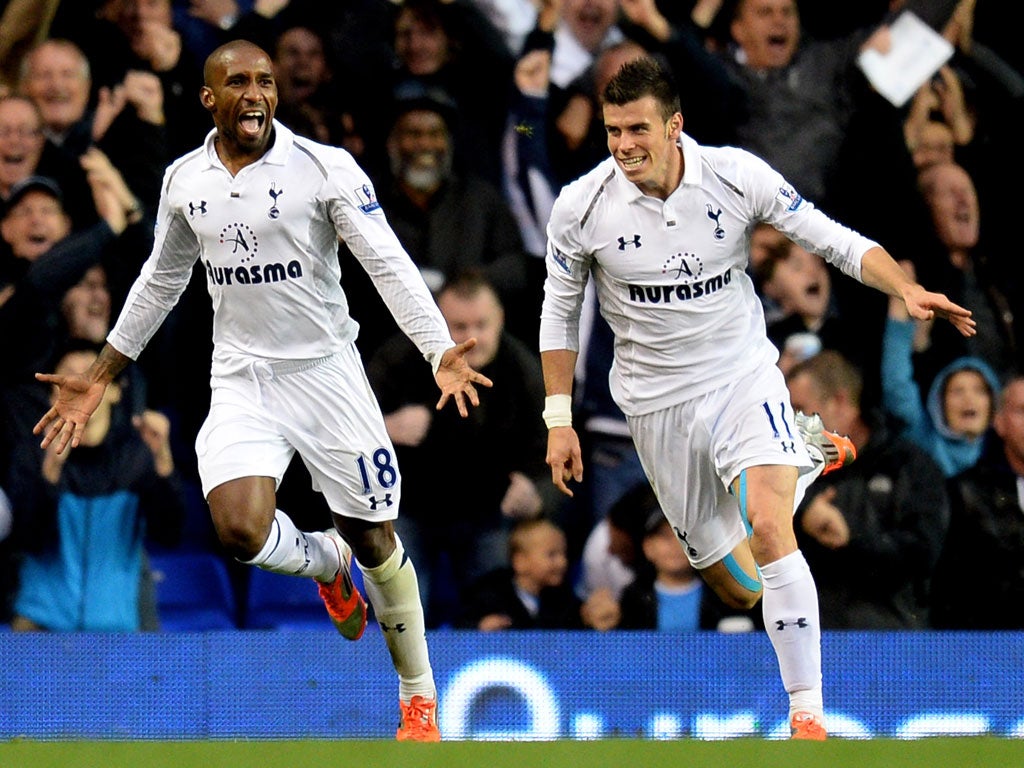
456,378
880,270
77,397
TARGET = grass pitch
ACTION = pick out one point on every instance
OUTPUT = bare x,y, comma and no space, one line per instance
620,753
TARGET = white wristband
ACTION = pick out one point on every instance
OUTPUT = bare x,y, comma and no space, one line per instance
558,411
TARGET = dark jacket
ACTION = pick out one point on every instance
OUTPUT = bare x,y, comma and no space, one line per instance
979,579
469,225
471,456
895,503
495,593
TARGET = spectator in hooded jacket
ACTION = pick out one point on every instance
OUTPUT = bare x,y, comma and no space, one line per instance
951,422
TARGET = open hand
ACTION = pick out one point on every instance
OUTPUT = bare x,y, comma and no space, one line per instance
77,398
456,378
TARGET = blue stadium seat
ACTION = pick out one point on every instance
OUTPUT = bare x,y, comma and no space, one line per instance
193,591
276,601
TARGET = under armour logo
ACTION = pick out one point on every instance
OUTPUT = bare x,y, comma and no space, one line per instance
623,242
192,208
800,623
385,502
274,193
714,216
399,627
788,446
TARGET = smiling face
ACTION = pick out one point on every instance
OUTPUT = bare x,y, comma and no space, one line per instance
420,151
768,31
540,558
421,42
643,143
21,141
967,403
56,78
300,65
86,307
241,95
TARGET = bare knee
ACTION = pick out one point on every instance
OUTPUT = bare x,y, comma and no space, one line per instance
768,504
372,543
772,535
242,512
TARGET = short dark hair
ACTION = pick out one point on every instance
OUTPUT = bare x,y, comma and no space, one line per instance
635,511
641,77
832,373
1007,381
467,283
411,95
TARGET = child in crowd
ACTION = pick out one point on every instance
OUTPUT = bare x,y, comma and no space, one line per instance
534,593
667,595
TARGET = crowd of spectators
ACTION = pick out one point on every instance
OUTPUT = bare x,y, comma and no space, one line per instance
469,116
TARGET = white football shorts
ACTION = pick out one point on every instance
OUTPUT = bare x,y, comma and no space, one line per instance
324,410
692,452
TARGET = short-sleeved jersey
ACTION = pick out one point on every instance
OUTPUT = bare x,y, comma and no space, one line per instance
671,275
267,239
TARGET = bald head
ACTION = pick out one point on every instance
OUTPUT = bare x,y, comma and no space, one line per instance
223,56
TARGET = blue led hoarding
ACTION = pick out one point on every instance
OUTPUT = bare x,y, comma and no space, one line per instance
513,685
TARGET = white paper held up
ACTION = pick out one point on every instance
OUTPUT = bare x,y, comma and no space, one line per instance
916,53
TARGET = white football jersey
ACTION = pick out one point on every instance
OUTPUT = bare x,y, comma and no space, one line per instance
267,239
671,275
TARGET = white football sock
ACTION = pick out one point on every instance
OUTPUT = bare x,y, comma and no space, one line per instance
791,619
395,596
290,551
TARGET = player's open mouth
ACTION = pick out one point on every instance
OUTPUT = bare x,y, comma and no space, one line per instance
631,163
252,122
